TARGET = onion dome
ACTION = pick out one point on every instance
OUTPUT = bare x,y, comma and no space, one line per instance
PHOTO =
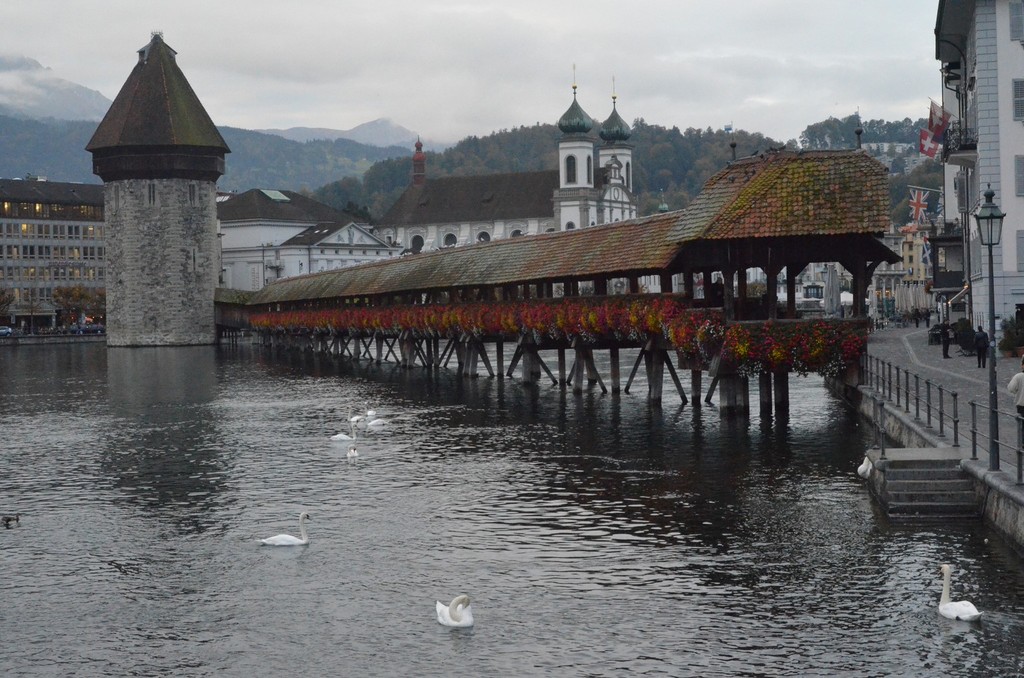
615,128
575,120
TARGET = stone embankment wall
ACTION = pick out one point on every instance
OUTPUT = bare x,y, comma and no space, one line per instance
1001,498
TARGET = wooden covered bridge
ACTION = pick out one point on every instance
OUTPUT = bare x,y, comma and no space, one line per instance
629,284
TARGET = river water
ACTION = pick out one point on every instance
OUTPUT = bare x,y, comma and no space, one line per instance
595,535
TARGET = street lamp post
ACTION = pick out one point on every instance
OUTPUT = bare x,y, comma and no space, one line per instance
990,228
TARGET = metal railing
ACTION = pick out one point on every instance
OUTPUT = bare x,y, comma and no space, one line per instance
939,406
976,433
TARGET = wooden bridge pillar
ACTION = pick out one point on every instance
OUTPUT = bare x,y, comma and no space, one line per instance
616,375
379,340
765,392
735,398
782,392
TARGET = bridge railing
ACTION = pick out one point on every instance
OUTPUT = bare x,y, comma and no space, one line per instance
931,404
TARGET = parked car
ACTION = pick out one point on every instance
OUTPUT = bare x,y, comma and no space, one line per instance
6,331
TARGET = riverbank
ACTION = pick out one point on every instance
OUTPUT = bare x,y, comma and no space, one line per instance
52,339
1001,499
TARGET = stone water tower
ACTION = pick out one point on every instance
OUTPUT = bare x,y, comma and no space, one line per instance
159,155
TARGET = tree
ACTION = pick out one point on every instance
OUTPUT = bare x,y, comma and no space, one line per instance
6,300
72,300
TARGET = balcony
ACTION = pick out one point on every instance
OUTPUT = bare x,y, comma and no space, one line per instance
960,145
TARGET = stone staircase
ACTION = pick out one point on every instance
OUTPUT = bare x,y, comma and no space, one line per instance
925,489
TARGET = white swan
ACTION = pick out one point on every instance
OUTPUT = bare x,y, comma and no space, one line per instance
287,539
864,470
352,453
376,424
343,436
457,613
961,610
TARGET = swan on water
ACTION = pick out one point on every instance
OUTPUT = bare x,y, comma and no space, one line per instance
9,520
864,470
960,610
376,424
352,453
351,435
457,613
287,539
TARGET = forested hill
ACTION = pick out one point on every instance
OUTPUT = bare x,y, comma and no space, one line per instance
670,164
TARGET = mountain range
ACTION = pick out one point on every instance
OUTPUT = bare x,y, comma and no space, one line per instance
30,91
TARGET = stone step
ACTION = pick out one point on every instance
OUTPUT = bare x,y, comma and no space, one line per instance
920,485
893,474
932,496
933,510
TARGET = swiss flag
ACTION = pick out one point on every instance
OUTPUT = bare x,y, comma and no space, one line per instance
928,144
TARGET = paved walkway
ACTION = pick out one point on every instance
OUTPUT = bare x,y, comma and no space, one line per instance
908,348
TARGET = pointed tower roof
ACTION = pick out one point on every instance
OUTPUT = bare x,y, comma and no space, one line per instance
575,120
155,113
615,129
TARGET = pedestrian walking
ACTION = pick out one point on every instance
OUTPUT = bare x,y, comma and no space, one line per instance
1016,387
945,332
981,346
927,317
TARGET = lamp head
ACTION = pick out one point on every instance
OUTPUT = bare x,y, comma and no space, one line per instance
989,219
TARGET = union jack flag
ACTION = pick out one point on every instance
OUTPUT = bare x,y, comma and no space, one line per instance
918,205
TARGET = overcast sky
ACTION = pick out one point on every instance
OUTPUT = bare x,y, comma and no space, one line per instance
447,69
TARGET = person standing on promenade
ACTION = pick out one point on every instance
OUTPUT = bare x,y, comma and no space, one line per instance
927,317
1016,387
981,346
944,331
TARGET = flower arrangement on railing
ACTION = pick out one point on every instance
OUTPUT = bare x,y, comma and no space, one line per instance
826,348
563,318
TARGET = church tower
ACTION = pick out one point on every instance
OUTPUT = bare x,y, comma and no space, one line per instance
575,199
159,156
616,156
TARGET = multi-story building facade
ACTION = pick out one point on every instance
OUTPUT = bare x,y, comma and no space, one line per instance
51,236
980,45
268,234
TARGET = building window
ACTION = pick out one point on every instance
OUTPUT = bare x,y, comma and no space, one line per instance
417,243
1017,21
629,175
1018,173
570,169
151,193
569,226
483,236
192,194
450,240
516,233
590,170
1018,99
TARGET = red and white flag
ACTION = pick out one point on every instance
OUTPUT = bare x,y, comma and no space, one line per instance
928,144
938,121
